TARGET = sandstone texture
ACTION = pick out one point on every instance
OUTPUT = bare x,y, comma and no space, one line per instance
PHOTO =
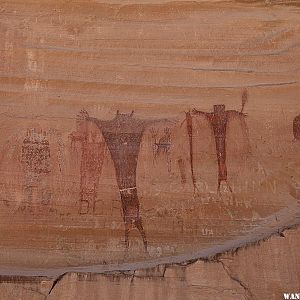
149,149
265,270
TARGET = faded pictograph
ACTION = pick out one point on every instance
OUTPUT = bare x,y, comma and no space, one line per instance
182,170
57,136
219,120
296,128
35,158
189,127
92,158
162,145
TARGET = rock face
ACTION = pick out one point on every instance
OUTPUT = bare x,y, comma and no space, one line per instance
268,270
147,135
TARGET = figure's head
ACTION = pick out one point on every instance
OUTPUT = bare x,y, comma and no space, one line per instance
83,115
220,108
123,116
81,120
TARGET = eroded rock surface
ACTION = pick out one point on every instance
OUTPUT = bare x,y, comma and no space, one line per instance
263,270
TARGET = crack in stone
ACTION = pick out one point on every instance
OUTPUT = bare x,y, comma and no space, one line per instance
213,259
248,293
35,291
164,266
55,282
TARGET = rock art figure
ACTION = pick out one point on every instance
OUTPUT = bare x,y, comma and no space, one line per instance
296,127
123,136
92,158
219,120
35,158
163,146
181,166
189,126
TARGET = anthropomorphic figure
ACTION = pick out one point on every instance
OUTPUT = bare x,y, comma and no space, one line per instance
123,136
92,158
189,126
35,160
163,146
218,120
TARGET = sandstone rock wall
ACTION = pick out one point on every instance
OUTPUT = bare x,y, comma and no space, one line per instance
266,270
149,133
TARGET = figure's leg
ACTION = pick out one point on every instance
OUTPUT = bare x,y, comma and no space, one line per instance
219,186
230,189
228,185
221,156
130,205
168,155
127,230
83,210
139,226
155,153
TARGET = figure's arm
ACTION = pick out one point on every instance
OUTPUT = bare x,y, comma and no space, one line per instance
169,122
201,113
235,114
75,136
97,122
82,120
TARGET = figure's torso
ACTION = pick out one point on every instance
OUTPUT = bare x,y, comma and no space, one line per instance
123,138
219,124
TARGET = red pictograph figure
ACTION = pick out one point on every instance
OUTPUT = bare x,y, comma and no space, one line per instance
36,161
218,120
189,126
123,136
296,127
162,146
92,158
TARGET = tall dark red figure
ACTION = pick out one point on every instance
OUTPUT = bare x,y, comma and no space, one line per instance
123,136
218,120
296,127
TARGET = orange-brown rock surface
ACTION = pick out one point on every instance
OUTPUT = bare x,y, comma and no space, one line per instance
263,271
149,134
